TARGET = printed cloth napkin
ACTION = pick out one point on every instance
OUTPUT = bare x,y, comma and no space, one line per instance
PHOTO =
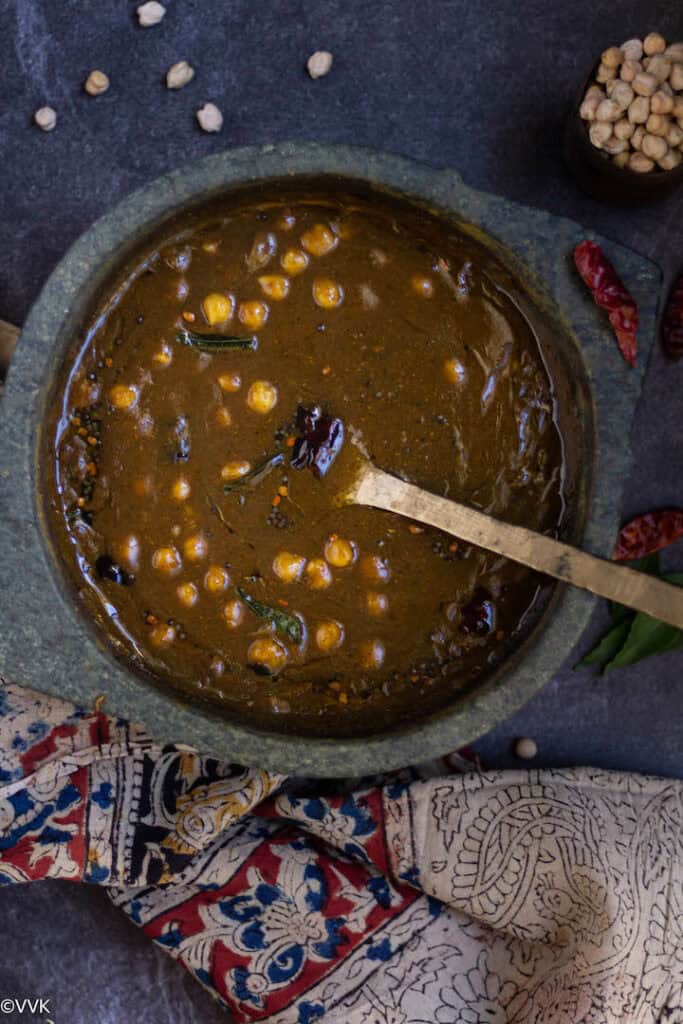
439,896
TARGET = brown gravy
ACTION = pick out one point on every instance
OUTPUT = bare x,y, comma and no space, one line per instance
179,518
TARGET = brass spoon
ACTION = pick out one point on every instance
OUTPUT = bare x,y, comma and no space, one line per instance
655,597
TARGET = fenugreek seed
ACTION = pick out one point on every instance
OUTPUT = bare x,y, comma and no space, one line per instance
179,74
45,118
150,13
96,83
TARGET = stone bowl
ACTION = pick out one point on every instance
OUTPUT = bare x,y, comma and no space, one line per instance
47,645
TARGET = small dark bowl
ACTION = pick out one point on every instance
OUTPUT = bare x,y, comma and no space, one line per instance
599,177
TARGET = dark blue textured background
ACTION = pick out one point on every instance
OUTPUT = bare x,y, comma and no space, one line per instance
479,86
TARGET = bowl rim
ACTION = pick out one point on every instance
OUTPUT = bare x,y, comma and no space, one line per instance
67,661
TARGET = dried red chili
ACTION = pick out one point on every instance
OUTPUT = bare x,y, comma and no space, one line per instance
319,442
609,292
649,532
672,321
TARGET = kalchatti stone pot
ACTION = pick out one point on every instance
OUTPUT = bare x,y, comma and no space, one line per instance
46,644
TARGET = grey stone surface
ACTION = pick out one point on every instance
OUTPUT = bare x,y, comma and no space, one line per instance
481,87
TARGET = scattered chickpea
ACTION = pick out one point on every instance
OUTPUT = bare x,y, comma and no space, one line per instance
167,560
218,308
319,63
275,286
526,748
268,655
180,489
376,603
187,594
329,635
319,240
179,75
233,614
195,548
45,118
375,569
371,654
230,382
654,43
288,567
253,314
327,293
318,575
96,83
216,579
422,286
454,371
210,118
294,261
150,13
340,553
235,469
162,635
262,397
223,416
123,397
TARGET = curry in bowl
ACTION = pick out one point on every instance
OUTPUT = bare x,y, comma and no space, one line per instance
204,422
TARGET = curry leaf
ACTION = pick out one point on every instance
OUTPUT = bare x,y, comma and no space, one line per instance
648,636
648,564
255,475
287,625
609,646
213,342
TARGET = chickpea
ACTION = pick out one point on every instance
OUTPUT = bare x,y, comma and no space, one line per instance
230,382
676,79
621,159
654,43
288,567
661,103
657,124
164,354
608,110
286,221
375,569
329,635
660,68
318,575
629,70
275,286
162,635
599,132
327,293
678,107
639,110
123,397
233,613
640,163
589,106
605,74
294,261
128,551
623,129
340,553
218,308
620,93
195,548
267,655
637,137
234,470
654,146
632,49
674,136
614,146
612,57
167,560
187,594
181,490
216,579
644,84
262,397
422,286
253,314
377,604
454,371
371,654
670,160
223,416
319,240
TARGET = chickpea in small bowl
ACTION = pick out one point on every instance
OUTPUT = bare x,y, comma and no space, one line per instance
624,136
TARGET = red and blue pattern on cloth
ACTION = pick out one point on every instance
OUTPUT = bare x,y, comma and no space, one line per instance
540,897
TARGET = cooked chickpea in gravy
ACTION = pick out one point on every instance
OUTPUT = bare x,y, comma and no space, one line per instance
214,565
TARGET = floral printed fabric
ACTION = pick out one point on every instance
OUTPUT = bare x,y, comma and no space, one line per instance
539,897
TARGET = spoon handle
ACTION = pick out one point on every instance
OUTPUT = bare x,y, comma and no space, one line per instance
552,557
